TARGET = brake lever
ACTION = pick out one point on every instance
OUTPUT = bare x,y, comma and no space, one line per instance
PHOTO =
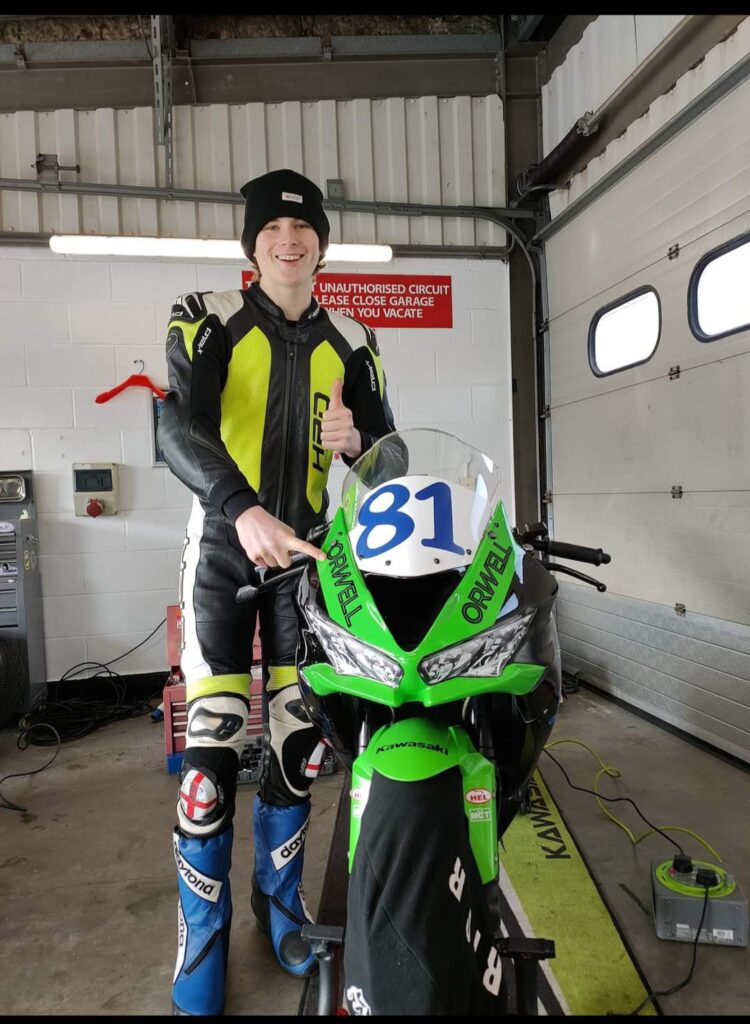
554,567
250,592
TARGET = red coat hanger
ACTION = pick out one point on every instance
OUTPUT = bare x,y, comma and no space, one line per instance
135,380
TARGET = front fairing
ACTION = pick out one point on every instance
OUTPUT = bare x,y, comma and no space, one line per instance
492,586
474,607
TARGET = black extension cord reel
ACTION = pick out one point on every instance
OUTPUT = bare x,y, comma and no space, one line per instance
11,680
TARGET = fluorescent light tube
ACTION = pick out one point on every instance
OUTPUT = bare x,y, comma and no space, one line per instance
352,253
196,248
122,245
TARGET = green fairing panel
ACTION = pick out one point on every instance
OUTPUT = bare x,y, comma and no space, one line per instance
416,749
515,679
473,607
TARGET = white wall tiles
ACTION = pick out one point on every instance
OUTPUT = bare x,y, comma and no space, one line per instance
107,582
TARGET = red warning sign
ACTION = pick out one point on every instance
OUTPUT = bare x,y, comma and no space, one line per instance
388,300
385,300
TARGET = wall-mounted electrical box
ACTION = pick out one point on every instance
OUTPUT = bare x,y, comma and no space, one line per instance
95,489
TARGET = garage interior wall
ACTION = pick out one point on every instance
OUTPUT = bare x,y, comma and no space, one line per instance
611,48
584,82
672,634
77,326
447,151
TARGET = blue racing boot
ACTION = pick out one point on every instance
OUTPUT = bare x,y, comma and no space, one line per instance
204,916
277,899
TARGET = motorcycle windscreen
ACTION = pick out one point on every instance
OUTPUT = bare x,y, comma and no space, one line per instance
417,503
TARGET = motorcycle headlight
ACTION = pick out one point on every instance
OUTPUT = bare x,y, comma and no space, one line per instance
485,654
352,657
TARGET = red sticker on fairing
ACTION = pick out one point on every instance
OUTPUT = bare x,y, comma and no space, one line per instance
479,796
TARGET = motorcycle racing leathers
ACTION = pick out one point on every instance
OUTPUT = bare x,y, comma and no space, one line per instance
241,426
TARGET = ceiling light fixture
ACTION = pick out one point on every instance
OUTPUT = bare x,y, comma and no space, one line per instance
196,248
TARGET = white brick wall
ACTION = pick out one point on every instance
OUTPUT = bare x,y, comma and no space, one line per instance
74,327
15,448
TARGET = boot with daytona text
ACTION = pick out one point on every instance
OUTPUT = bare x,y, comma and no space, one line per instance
277,899
204,916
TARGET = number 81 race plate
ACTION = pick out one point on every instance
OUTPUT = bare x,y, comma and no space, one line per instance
416,525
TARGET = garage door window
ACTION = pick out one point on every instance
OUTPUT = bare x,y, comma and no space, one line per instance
718,296
625,333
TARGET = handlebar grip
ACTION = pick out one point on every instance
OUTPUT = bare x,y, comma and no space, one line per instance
594,556
248,593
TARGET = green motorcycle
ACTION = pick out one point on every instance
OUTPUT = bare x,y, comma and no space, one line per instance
429,661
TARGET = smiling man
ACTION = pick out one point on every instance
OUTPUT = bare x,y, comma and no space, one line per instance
265,386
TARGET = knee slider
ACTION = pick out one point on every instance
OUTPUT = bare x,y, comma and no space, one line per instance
208,784
217,722
287,711
293,738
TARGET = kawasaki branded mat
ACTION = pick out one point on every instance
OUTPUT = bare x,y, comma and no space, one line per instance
548,893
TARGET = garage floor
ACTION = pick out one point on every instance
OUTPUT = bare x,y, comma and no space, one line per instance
88,891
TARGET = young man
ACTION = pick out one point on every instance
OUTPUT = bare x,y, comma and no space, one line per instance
265,386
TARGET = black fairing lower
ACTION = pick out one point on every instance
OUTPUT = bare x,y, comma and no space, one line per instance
509,730
512,730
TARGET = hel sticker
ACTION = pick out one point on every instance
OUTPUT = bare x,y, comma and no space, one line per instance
292,197
360,795
478,796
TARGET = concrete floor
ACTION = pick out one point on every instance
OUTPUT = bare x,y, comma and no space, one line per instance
87,877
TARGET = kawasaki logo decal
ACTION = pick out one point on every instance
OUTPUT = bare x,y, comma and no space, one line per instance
553,844
413,743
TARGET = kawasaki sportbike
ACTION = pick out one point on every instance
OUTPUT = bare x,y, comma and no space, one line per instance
429,661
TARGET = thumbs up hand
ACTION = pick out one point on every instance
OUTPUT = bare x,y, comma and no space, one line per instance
338,433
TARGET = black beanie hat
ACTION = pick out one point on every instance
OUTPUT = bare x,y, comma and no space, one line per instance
282,194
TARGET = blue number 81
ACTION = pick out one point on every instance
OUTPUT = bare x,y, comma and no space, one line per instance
402,523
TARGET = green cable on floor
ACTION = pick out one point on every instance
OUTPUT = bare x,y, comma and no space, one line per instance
615,774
